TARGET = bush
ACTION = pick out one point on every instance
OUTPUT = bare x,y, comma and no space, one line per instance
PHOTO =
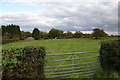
25,63
9,41
101,74
110,56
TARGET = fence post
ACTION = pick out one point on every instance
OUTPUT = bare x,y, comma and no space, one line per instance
73,61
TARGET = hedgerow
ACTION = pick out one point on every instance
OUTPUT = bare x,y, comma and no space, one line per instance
25,63
110,56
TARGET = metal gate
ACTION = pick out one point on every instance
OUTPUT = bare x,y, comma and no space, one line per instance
77,64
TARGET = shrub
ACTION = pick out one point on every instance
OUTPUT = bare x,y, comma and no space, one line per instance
101,74
25,63
9,41
110,56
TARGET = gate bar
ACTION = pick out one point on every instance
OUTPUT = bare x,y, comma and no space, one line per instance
73,68
73,64
71,53
73,59
74,73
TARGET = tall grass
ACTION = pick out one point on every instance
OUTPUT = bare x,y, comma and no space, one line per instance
101,74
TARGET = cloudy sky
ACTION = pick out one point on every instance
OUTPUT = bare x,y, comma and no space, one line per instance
68,15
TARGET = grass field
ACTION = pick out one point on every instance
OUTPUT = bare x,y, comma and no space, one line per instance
61,45
54,46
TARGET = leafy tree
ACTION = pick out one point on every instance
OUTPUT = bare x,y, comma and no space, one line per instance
11,32
87,35
64,36
36,33
69,34
43,35
25,34
97,33
78,34
55,33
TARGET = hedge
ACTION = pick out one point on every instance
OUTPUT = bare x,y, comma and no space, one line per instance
23,63
9,41
110,56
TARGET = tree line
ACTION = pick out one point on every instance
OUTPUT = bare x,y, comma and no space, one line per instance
13,32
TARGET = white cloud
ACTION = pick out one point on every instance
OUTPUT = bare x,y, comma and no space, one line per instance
65,1
84,14
106,26
77,27
26,20
37,2
66,16
112,32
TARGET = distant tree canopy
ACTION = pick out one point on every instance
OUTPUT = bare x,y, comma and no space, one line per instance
78,34
11,32
97,33
55,33
36,33
87,35
68,34
43,35
25,34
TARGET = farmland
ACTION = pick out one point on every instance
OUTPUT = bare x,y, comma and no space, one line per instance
54,46
61,45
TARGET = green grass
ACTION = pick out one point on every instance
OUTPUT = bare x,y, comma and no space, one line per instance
61,45
101,74
54,46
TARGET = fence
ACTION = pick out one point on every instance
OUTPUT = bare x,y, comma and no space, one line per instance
71,64
0,66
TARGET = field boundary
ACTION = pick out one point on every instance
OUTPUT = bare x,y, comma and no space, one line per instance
76,69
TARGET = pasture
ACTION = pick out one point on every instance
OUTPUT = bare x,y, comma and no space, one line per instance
54,46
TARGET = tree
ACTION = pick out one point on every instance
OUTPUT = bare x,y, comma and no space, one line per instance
43,35
25,34
55,33
97,33
69,34
36,33
87,35
11,32
78,34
